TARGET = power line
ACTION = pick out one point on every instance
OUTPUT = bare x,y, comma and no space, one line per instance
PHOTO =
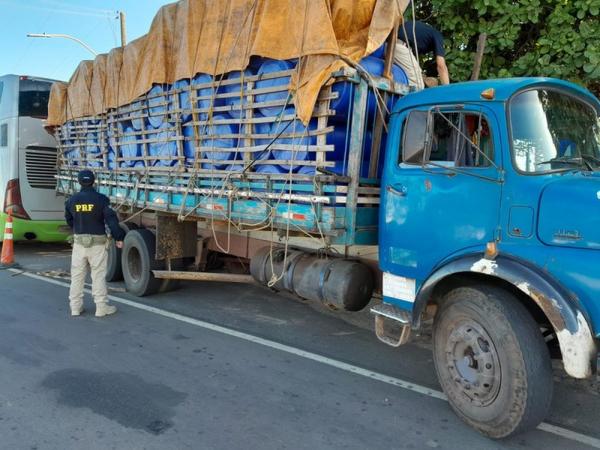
87,13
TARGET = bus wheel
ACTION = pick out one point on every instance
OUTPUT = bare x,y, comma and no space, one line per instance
138,262
492,361
114,270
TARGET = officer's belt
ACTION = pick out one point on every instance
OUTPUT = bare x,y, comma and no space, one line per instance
89,240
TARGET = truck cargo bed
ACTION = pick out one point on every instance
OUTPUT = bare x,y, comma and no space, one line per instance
337,204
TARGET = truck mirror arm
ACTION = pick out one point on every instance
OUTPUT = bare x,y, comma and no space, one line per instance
452,171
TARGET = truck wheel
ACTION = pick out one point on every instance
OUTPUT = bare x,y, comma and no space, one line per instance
138,262
171,285
114,270
492,361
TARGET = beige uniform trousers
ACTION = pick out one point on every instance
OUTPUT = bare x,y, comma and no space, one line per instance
96,257
404,57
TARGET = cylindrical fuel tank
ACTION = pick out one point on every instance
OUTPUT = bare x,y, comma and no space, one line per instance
337,282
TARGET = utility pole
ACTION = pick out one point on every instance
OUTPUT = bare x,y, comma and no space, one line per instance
479,56
123,29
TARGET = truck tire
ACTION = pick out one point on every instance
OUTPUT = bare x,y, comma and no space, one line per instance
171,285
492,361
138,262
114,270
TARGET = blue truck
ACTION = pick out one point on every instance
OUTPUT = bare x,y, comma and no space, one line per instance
476,205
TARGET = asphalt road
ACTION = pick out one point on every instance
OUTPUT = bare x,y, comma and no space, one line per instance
214,366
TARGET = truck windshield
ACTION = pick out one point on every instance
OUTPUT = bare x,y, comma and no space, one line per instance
33,98
553,131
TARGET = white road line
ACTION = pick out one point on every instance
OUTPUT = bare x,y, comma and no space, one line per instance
559,431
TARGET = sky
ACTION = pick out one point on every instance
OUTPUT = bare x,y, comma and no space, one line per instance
94,22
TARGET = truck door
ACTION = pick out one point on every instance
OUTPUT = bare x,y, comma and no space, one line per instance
441,193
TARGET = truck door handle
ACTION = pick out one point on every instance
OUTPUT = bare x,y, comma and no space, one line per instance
398,189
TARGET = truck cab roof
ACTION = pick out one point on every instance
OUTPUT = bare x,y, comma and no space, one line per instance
505,88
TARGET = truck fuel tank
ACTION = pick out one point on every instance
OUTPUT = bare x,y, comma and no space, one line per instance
336,282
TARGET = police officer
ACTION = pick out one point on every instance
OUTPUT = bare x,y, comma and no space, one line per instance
87,213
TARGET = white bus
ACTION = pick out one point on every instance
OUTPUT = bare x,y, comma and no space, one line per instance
28,161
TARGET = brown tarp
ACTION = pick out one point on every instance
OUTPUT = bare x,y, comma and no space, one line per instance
218,36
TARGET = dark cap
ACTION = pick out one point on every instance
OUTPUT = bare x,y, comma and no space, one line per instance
86,178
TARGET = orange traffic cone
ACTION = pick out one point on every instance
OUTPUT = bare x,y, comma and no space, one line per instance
7,259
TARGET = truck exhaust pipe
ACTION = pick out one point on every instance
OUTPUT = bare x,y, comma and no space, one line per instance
336,282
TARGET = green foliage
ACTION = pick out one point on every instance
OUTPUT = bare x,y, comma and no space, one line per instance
554,38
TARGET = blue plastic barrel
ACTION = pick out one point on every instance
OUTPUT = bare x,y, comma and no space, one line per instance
73,156
129,146
341,152
379,53
235,168
269,169
158,105
165,146
262,129
189,148
267,67
110,148
307,170
238,88
92,149
300,141
111,158
112,131
184,99
224,146
207,93
69,133
344,89
136,110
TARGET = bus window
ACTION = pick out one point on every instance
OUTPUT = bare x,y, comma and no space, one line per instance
1,89
33,98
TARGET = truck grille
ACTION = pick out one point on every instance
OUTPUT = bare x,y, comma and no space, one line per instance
40,166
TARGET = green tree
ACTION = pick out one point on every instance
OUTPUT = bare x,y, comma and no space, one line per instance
555,38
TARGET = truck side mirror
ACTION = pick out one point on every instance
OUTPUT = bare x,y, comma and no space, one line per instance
416,145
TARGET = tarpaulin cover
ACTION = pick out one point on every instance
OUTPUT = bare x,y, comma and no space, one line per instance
219,36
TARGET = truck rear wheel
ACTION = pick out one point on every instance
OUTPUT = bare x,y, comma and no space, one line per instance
492,361
138,262
114,269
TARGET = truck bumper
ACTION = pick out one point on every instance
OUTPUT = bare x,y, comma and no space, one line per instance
36,230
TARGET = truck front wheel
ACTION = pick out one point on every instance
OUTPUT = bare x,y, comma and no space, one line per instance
492,361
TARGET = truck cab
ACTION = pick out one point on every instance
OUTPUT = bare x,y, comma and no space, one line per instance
490,220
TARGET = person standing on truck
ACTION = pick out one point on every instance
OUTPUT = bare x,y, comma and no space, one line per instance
425,39
87,213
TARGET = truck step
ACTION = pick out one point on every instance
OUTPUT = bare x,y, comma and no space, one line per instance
392,324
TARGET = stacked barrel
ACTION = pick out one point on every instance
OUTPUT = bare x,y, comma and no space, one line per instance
242,120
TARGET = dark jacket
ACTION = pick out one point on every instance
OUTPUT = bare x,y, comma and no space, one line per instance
429,40
88,212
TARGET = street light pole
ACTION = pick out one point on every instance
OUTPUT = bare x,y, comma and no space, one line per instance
65,36
123,29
